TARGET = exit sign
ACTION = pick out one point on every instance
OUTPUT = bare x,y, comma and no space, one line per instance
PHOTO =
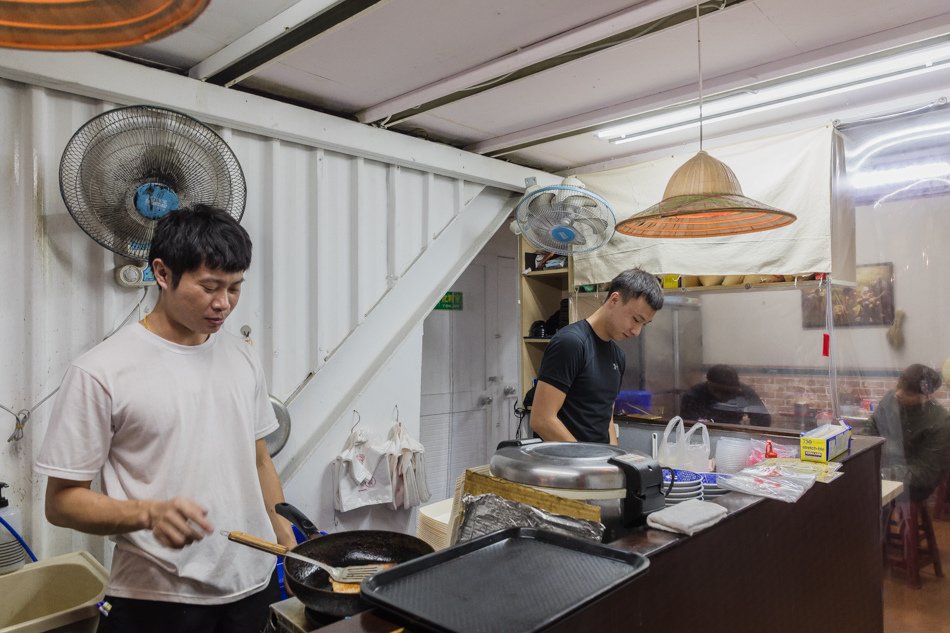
450,301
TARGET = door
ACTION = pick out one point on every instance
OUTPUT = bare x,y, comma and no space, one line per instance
456,406
470,370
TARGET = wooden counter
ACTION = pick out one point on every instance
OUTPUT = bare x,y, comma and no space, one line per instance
814,565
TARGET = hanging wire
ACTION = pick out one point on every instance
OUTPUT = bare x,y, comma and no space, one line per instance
699,65
356,414
23,415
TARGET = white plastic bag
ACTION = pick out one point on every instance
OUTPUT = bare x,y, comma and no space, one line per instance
677,450
697,454
672,450
361,474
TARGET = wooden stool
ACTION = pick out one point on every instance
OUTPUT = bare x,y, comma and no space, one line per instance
942,498
909,540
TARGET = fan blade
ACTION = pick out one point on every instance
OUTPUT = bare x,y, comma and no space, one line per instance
596,225
542,199
580,201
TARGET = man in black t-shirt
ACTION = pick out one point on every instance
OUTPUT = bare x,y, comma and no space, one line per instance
583,367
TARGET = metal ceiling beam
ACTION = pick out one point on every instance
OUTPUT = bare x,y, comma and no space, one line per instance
262,35
275,38
118,81
642,19
594,120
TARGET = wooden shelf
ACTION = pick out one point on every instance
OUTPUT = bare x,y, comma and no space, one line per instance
546,272
775,285
541,294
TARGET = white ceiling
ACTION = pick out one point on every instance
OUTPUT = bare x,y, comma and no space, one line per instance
383,50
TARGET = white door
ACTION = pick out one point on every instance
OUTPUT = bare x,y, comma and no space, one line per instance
469,360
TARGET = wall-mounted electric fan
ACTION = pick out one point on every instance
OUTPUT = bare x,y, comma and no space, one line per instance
127,168
565,219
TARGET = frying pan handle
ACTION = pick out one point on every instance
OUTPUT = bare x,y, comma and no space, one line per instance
257,543
298,518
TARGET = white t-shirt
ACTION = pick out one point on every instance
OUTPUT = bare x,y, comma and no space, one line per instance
161,420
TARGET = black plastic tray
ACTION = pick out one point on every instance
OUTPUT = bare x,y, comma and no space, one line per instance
518,580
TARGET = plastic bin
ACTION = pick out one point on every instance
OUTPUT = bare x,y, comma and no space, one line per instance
57,594
633,402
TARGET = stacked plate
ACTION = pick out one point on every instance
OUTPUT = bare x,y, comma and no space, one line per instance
433,521
11,555
711,488
687,485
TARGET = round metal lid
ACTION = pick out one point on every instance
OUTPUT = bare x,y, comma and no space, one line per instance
579,465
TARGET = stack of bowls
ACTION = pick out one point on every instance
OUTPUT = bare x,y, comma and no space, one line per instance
711,488
687,485
732,454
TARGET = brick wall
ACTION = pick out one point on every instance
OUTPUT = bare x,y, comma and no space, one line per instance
781,389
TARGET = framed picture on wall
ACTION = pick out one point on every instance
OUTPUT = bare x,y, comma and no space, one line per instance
869,303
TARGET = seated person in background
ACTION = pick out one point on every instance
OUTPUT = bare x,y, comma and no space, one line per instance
722,398
917,430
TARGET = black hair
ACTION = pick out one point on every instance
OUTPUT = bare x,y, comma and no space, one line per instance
919,379
724,376
636,283
189,238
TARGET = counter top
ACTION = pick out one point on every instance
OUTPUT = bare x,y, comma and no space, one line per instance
759,551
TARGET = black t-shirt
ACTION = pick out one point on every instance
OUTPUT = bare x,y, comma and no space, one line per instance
700,403
589,370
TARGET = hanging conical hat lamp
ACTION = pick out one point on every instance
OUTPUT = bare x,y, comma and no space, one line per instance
84,25
703,198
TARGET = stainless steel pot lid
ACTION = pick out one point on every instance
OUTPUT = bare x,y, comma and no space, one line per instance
578,465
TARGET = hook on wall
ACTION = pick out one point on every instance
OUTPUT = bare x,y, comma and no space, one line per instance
396,413
356,422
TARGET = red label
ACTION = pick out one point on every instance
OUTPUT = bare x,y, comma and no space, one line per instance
825,344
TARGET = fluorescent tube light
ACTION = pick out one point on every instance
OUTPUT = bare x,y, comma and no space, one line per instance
880,177
834,79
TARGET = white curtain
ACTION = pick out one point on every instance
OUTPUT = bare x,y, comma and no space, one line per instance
791,172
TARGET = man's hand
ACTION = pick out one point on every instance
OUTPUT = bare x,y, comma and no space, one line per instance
178,522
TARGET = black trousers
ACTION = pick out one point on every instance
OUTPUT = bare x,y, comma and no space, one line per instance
248,615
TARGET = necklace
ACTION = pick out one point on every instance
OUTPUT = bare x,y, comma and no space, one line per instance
145,324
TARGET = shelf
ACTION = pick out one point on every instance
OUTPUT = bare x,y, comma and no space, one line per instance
545,273
540,341
775,285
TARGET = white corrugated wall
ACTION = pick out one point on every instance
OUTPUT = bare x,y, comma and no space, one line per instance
344,245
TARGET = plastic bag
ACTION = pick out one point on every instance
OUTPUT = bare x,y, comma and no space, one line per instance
697,455
766,482
679,451
360,474
781,450
672,451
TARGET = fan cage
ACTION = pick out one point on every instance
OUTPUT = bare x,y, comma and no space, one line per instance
114,154
544,212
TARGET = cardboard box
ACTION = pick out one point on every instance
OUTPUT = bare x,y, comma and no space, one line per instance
825,442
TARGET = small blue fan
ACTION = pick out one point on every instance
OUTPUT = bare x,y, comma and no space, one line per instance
565,219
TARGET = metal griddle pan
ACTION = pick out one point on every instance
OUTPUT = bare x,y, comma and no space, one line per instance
518,580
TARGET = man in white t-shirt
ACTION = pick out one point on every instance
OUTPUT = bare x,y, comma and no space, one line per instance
171,413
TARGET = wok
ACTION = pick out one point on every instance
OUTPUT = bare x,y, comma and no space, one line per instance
311,584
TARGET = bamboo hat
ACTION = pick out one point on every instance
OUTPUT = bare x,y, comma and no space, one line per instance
704,199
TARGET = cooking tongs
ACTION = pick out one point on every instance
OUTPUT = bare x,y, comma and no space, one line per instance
349,574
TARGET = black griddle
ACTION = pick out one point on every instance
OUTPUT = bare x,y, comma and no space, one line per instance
518,580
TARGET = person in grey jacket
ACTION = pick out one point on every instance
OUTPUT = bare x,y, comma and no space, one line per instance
917,430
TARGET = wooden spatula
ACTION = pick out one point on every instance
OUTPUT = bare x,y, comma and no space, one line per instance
350,574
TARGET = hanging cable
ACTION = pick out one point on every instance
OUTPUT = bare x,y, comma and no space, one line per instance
23,415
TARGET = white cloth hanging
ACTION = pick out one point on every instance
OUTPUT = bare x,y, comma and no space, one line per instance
407,468
361,473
